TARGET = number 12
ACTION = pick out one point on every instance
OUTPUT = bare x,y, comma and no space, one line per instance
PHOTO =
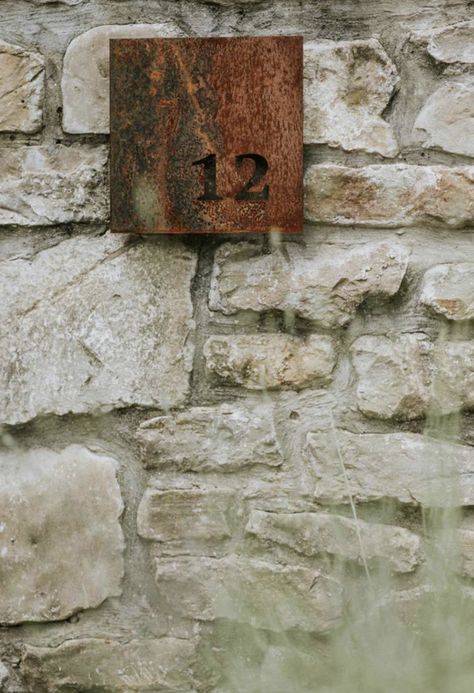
210,178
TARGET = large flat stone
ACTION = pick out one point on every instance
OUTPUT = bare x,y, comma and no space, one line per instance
320,283
270,361
224,438
21,89
314,533
95,323
99,664
41,186
449,44
448,290
85,80
347,86
446,120
262,594
61,542
391,195
408,467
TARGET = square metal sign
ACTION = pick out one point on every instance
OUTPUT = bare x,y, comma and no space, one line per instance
206,135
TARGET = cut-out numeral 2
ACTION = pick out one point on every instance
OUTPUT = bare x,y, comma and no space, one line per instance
210,178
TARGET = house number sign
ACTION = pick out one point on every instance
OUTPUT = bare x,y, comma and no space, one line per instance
206,135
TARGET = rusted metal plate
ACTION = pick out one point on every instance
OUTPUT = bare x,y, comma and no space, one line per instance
206,135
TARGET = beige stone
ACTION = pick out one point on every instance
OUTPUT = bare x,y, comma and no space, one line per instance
61,542
95,323
390,195
262,594
347,86
393,379
453,378
449,44
223,438
408,467
85,80
448,290
105,664
21,89
314,533
270,361
320,283
41,186
446,120
180,515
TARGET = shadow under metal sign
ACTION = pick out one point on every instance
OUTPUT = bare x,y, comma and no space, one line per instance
206,135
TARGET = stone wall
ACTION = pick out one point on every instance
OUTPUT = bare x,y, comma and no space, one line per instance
186,422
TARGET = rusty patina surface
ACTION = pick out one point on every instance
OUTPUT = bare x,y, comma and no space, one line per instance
175,102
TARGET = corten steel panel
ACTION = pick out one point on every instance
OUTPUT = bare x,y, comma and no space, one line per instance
175,102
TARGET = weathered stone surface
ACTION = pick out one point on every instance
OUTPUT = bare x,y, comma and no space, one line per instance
3,673
56,185
347,85
408,467
263,594
95,323
21,89
325,285
449,44
453,377
270,361
314,533
393,379
446,121
182,515
85,80
390,195
448,290
224,438
465,537
61,542
96,664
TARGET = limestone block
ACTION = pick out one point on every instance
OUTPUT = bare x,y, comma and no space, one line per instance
408,467
95,323
453,377
41,186
270,361
21,89
391,195
347,86
99,664
61,543
262,594
223,438
446,120
85,80
314,533
178,515
448,290
323,284
449,44
393,379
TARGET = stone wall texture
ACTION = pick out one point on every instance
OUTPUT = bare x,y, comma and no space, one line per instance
187,424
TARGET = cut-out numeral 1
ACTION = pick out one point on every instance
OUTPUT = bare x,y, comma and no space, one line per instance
210,178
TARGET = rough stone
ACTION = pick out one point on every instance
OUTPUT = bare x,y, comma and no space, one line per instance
453,379
393,379
314,533
448,290
449,44
465,537
262,594
95,323
325,284
41,186
224,438
21,89
181,515
408,467
98,664
391,195
347,86
270,361
4,674
85,80
446,121
61,542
